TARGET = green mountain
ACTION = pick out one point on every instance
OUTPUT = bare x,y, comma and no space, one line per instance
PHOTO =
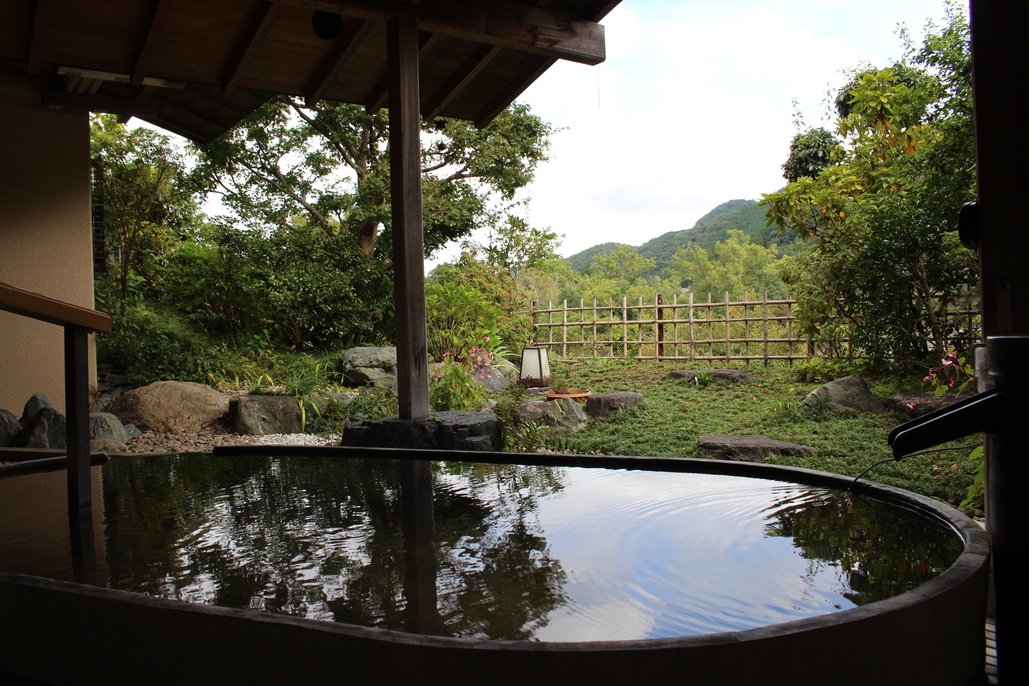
743,215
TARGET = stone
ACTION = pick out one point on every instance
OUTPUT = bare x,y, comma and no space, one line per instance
731,375
850,392
132,430
105,426
104,445
102,404
34,405
908,406
363,366
452,430
493,378
172,406
749,448
563,414
47,429
9,428
605,404
261,415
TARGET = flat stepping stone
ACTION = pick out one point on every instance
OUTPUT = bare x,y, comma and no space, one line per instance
749,448
908,406
608,403
690,375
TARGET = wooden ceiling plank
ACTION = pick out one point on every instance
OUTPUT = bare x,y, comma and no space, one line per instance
516,87
497,22
377,98
37,42
346,46
150,43
262,25
461,78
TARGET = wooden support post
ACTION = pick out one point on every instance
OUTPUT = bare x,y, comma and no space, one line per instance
76,407
693,337
406,190
728,332
625,327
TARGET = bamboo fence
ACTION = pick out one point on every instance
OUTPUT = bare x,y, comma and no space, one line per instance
759,330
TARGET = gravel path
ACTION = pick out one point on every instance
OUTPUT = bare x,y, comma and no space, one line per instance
204,441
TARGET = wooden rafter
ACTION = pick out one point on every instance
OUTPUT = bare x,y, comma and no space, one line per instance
461,78
262,24
495,22
346,45
37,41
88,102
150,43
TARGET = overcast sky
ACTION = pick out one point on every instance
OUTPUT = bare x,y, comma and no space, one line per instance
693,107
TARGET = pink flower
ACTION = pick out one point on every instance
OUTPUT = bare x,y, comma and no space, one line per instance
911,405
947,362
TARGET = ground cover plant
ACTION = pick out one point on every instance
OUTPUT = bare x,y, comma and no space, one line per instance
675,413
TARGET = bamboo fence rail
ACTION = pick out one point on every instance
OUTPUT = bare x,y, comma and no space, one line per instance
760,330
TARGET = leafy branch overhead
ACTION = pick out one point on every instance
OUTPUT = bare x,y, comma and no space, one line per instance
329,163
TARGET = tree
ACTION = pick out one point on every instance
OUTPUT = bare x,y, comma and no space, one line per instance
329,163
882,257
810,153
736,266
149,205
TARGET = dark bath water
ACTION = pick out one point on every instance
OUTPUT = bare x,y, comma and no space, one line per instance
512,551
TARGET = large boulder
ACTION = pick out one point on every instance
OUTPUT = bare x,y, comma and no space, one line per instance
850,393
363,366
749,448
563,414
912,405
261,415
47,429
172,406
493,378
104,426
9,428
730,375
604,404
34,404
452,430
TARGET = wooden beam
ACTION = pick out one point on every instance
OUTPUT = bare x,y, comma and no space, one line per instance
496,22
405,156
461,78
52,310
84,102
37,42
150,43
264,19
346,45
377,99
76,409
517,85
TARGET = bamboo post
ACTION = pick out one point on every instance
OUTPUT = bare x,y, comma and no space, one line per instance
764,318
564,329
746,326
595,324
728,332
625,328
659,326
675,325
710,326
693,338
550,320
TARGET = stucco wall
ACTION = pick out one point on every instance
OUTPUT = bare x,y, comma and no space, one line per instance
45,235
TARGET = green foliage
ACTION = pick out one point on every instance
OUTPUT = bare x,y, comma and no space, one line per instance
155,343
882,262
149,208
823,370
736,266
456,384
459,319
810,153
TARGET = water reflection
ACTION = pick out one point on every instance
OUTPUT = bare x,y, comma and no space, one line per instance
499,551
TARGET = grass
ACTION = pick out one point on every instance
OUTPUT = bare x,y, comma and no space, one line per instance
675,413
